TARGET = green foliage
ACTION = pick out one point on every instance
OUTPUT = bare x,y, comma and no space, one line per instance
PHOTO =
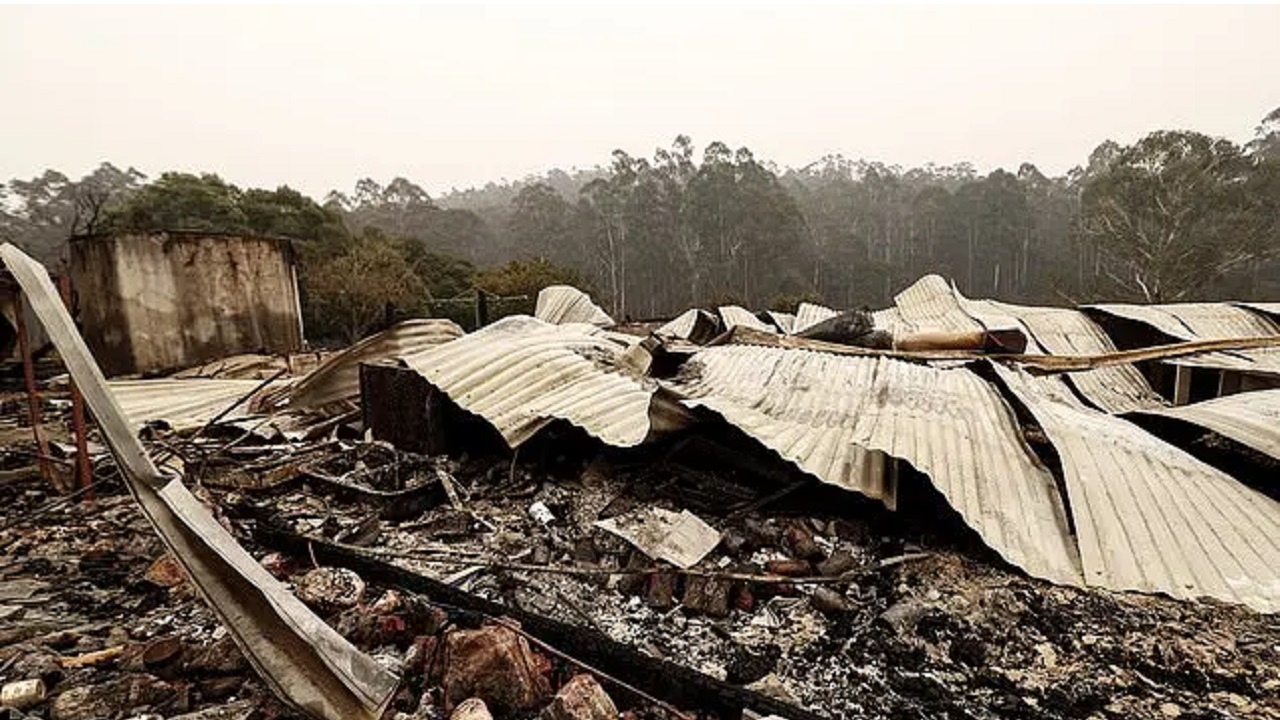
351,294
527,277
1176,213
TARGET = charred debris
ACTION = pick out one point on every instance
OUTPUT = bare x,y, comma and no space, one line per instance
950,508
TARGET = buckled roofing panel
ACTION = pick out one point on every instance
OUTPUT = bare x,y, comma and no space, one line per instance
929,304
338,378
1062,331
733,316
185,404
1251,418
1207,321
1150,517
561,304
809,314
825,412
520,374
786,322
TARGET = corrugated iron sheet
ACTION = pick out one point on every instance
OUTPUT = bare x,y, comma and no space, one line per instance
809,314
562,304
825,412
1251,418
185,404
1207,321
1150,517
786,322
1270,309
689,325
734,316
1062,331
929,304
338,378
520,374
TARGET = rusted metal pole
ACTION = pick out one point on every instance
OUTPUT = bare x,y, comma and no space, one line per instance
33,399
84,467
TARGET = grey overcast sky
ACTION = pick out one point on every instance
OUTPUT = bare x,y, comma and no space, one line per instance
317,97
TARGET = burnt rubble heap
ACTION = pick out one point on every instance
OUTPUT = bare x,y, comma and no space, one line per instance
559,518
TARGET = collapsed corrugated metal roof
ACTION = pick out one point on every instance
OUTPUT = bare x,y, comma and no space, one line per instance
338,378
825,412
563,304
520,374
929,304
1252,418
1062,331
1206,321
735,316
1150,517
809,314
184,403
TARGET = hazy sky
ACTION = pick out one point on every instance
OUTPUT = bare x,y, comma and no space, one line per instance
454,96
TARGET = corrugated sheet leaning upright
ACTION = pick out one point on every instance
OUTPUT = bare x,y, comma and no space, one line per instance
565,304
1149,516
520,374
824,412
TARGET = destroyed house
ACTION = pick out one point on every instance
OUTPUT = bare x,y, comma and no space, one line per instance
561,491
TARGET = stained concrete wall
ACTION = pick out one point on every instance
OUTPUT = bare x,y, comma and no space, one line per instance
159,301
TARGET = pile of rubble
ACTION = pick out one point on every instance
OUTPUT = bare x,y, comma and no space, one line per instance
562,522
92,607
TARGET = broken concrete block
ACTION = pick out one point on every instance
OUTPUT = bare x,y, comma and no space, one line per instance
330,589
495,665
581,698
471,709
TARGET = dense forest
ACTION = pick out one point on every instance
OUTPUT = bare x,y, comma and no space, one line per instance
1176,216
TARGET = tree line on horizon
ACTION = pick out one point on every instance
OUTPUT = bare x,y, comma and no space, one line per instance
1176,216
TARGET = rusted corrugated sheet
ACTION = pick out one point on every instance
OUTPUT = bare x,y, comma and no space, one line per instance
809,314
1251,418
1207,321
185,404
929,304
563,304
338,378
520,374
734,316
1063,331
1150,517
825,412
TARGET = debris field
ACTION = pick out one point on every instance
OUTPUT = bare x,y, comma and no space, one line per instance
560,518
